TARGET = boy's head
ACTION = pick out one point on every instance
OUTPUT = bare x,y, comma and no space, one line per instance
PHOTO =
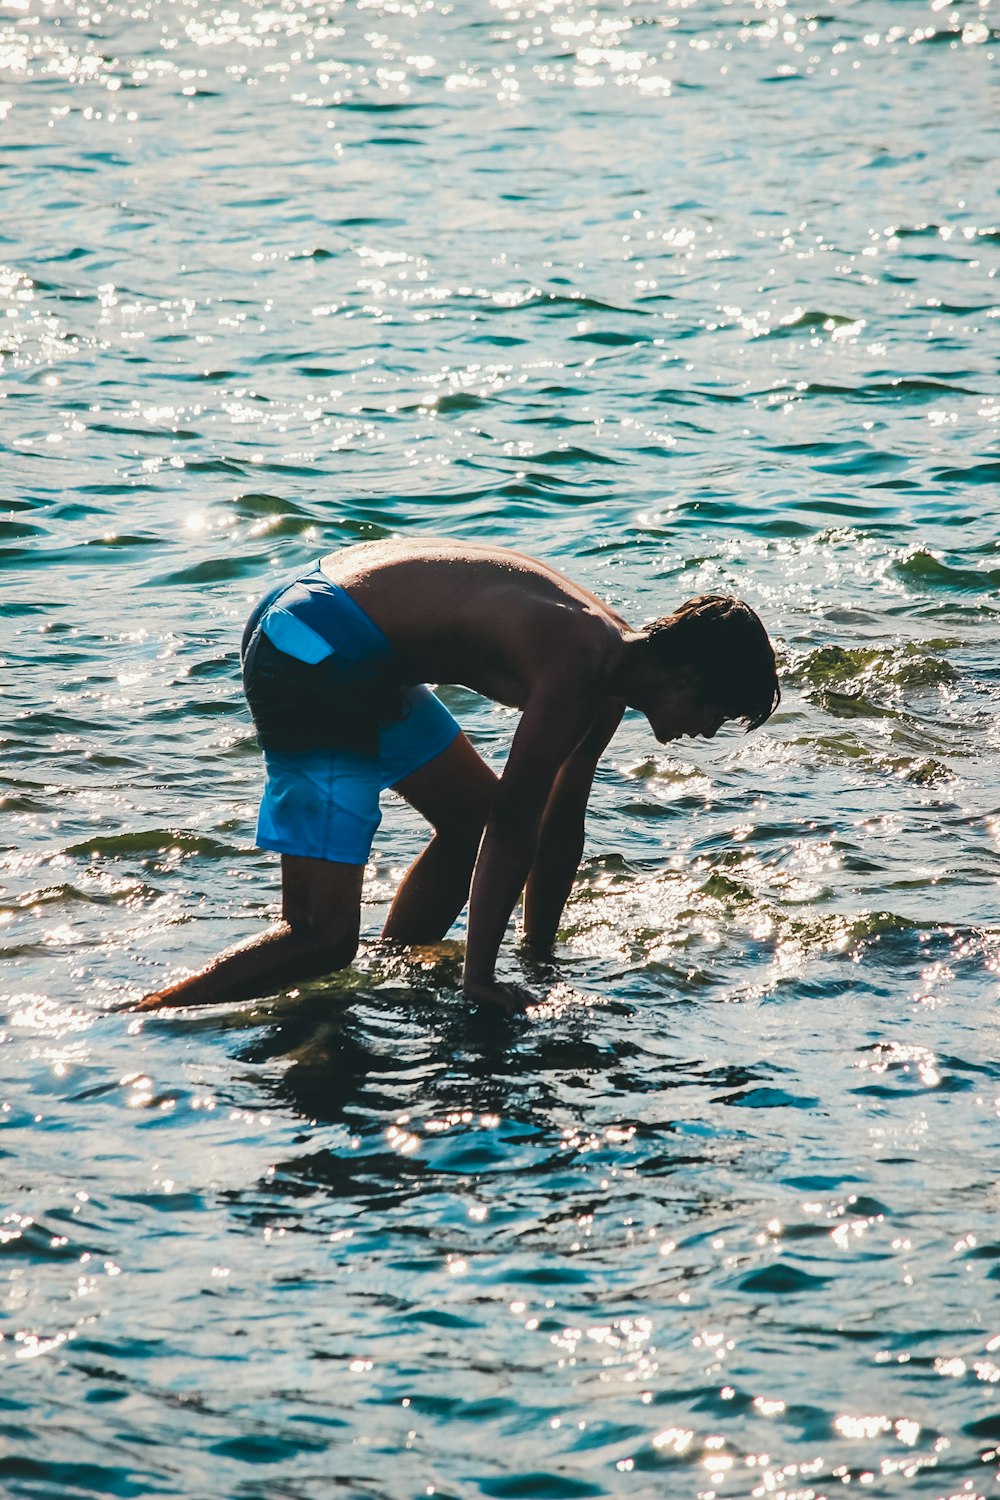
717,650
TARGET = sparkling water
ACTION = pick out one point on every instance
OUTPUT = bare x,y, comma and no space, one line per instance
678,297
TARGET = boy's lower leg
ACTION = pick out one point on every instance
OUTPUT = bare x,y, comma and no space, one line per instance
321,914
434,889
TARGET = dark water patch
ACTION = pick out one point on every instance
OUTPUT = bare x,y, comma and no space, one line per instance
216,666
609,339
150,841
839,668
985,1429
20,529
213,570
73,511
14,608
253,504
500,340
439,1318
855,706
458,402
267,1448
857,508
70,1480
700,396
116,542
896,485
768,1098
24,804
909,1085
867,461
821,449
982,473
23,1236
924,570
574,455
37,557
47,724
129,430
62,895
536,1485
782,1280
902,388
950,612
562,305
919,771
809,322
203,707
222,465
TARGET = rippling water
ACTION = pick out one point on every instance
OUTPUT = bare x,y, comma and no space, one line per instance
680,297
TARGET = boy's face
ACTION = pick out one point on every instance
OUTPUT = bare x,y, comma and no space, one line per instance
679,711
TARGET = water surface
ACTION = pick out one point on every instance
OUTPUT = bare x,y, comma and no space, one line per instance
679,297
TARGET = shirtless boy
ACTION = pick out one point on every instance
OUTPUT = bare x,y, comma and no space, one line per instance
335,663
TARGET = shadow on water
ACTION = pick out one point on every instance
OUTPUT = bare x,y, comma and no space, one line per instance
410,1043
403,1095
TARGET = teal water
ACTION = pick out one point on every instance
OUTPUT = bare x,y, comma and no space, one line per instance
679,297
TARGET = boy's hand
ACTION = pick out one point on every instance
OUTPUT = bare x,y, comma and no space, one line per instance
511,998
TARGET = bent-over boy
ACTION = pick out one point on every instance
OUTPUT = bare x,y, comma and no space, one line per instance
335,666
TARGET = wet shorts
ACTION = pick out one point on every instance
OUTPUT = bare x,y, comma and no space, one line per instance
322,800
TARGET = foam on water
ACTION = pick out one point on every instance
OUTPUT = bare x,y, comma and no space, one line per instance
681,298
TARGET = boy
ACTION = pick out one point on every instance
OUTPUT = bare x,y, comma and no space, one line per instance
335,663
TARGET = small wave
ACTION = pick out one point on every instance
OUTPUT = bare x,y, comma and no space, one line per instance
924,570
984,473
810,321
115,542
20,529
213,570
768,1098
36,557
255,504
574,455
608,338
782,1279
901,388
833,668
149,841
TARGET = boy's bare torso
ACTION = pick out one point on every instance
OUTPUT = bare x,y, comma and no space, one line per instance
492,620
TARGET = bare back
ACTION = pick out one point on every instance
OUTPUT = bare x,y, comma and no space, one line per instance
496,621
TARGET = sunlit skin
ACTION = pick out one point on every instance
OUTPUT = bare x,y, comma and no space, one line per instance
515,630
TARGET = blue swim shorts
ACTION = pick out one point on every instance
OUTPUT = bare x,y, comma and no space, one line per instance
311,655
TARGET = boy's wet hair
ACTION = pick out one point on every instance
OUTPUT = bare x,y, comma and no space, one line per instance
720,645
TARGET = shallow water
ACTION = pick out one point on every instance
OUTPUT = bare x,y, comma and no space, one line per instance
679,297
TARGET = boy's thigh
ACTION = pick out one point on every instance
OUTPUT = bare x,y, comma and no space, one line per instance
454,790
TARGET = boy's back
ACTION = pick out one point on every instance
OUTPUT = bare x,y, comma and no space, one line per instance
485,617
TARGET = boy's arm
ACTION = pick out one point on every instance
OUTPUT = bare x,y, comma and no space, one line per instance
555,720
560,843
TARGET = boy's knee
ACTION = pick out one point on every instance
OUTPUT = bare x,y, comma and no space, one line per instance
322,948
